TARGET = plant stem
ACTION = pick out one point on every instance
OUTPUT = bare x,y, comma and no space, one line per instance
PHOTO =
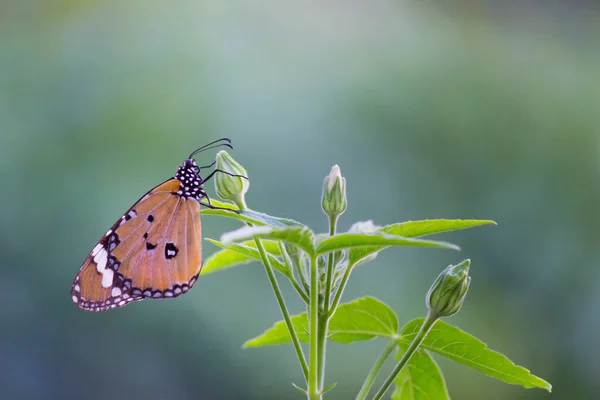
427,324
329,283
288,262
324,318
240,202
299,290
282,306
340,291
366,387
313,374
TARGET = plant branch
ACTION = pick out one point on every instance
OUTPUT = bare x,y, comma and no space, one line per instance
282,306
340,291
299,290
366,387
241,203
288,262
324,318
313,376
429,321
330,257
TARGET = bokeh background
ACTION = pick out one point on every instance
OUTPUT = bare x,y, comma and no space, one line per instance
456,110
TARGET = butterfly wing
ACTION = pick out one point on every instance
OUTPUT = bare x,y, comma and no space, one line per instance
153,251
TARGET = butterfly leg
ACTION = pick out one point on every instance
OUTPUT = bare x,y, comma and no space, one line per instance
212,207
225,172
208,166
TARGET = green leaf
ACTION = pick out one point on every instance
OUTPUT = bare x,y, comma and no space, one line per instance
328,388
351,240
361,319
249,216
411,229
300,389
463,348
302,237
420,379
431,226
279,334
238,254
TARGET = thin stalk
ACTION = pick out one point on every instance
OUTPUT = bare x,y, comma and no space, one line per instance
429,321
299,290
366,387
282,306
340,291
241,203
324,317
313,374
288,262
329,283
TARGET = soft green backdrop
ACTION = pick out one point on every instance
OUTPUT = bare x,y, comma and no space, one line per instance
455,111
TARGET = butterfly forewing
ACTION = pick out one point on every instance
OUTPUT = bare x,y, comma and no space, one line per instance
152,251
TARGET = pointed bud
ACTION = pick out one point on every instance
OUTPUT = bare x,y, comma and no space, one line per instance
333,200
446,295
232,188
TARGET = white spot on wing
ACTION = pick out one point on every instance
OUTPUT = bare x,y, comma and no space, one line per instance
116,292
75,299
77,288
107,278
100,259
108,232
97,249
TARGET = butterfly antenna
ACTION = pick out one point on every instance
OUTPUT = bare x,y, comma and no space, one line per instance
212,145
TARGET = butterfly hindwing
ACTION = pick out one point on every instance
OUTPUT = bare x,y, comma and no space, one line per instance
152,251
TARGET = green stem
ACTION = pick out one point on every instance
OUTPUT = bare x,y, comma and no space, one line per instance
288,262
340,291
241,203
282,306
313,374
429,321
366,387
324,318
299,290
328,284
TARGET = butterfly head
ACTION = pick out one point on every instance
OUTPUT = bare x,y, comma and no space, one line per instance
190,181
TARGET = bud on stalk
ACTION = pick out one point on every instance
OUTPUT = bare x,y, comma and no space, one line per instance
333,200
232,188
446,295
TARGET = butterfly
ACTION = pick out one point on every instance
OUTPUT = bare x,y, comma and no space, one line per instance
154,250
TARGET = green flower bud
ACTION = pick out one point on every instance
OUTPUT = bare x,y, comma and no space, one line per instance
446,295
232,188
333,200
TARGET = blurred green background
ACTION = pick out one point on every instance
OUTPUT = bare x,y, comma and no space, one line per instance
461,110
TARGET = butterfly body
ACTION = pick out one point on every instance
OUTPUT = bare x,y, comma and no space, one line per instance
153,251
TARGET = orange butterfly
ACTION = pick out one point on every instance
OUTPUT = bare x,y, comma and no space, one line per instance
154,250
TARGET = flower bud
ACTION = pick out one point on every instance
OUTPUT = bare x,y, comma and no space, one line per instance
232,188
333,200
446,295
